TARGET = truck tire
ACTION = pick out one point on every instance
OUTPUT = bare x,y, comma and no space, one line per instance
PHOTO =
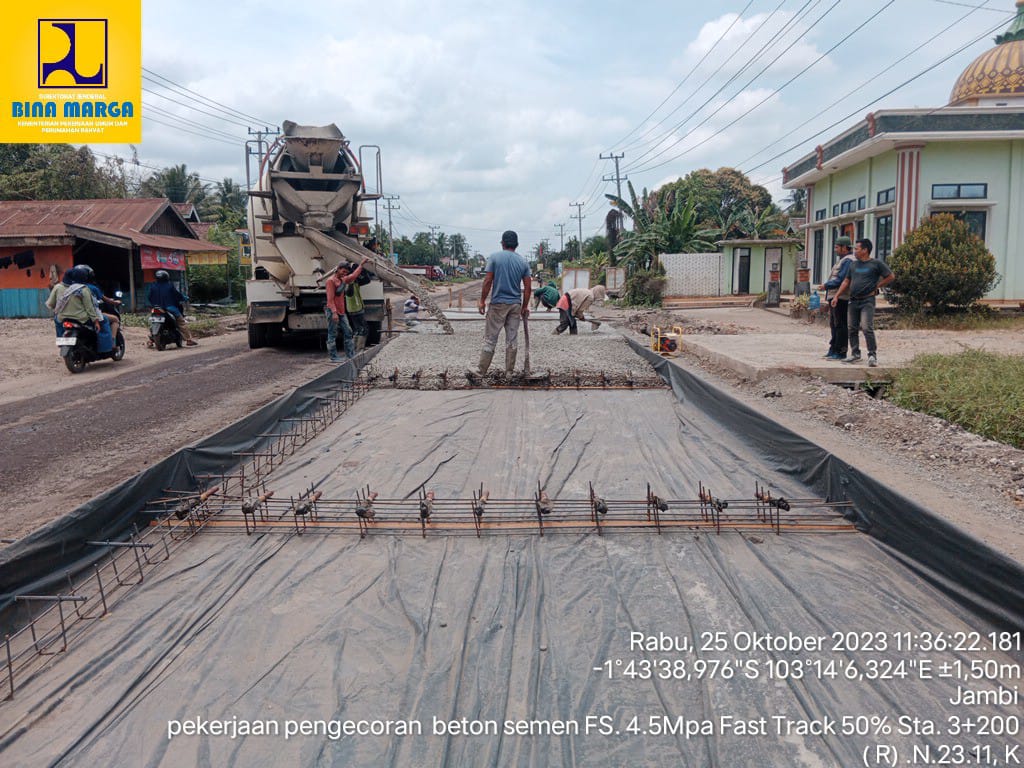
257,335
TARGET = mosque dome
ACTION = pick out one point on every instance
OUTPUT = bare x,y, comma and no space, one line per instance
998,74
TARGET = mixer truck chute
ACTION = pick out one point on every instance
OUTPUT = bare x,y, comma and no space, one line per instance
304,218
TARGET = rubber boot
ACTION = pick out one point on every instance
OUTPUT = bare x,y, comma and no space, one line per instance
510,361
485,363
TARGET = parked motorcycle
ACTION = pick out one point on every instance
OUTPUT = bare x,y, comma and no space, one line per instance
78,343
163,329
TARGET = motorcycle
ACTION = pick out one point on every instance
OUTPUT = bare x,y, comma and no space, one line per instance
163,329
78,343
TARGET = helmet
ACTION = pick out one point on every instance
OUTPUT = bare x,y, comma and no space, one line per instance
86,273
162,275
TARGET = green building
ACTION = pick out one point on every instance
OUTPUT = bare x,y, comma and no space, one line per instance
883,175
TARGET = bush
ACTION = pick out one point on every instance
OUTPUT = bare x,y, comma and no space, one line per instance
941,265
645,287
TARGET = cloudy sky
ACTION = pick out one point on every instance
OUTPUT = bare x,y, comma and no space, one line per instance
492,115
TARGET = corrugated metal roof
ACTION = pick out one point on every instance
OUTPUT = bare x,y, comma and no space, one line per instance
117,217
155,241
48,217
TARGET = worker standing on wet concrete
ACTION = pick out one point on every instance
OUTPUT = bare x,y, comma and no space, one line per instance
507,281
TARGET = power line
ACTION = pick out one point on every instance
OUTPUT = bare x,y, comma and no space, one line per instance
186,121
870,80
640,160
688,74
653,143
891,91
140,164
210,101
187,130
195,109
778,90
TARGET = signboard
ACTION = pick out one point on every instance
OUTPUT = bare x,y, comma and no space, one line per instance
72,71
158,258
616,277
575,278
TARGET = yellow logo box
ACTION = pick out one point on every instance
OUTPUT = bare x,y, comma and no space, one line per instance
71,71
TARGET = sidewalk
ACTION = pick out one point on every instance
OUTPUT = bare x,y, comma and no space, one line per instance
779,344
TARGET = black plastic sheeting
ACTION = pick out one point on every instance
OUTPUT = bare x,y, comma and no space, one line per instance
989,583
307,636
39,562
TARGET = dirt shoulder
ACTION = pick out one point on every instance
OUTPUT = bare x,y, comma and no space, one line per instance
67,437
975,483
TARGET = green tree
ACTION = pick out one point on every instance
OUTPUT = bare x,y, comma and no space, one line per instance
941,265
796,202
177,184
761,223
716,195
229,200
55,172
668,225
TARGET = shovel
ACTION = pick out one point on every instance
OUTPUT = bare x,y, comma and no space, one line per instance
526,335
526,363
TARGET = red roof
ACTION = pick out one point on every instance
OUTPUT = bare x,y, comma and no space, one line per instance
121,218
48,217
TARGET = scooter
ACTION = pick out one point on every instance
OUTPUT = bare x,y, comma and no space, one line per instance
163,329
78,343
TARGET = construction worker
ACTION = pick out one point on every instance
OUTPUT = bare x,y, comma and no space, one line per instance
335,309
546,295
572,305
508,274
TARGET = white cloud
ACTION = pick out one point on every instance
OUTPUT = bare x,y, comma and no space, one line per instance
492,115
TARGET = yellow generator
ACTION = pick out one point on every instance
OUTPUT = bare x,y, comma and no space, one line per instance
665,343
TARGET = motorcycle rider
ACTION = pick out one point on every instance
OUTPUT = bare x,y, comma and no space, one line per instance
71,299
111,322
163,293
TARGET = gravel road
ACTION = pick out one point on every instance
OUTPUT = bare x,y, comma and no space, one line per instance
66,445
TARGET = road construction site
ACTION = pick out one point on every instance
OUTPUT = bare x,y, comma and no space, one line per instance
616,563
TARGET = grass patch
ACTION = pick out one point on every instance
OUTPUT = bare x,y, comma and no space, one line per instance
135,320
981,391
984,319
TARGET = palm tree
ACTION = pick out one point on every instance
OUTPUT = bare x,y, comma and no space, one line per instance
669,226
176,184
760,224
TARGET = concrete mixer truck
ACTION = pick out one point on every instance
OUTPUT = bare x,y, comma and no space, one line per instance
305,216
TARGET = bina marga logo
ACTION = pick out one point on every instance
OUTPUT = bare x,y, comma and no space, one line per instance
73,53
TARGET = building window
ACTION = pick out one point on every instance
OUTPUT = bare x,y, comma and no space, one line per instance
862,203
883,237
819,252
887,196
835,209
860,230
959,191
976,220
819,214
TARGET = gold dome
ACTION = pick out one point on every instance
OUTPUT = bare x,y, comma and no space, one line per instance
998,72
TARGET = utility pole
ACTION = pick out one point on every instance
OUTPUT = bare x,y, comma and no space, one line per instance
433,237
580,217
259,133
618,179
389,207
561,237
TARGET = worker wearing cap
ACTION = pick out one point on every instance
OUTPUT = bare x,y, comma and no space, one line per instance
507,280
838,309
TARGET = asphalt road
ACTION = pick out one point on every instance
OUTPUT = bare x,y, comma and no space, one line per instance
61,448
